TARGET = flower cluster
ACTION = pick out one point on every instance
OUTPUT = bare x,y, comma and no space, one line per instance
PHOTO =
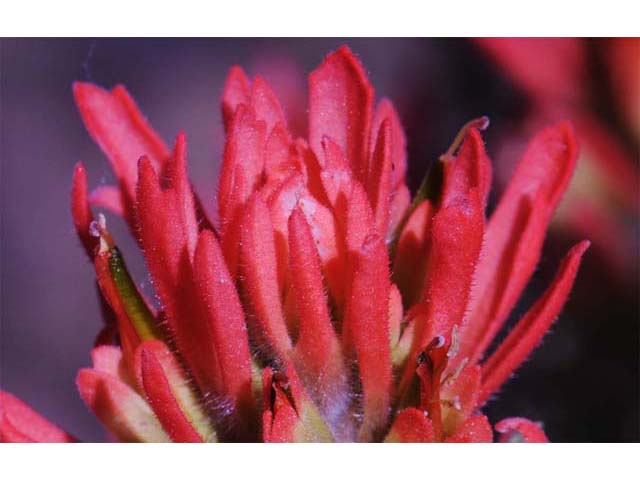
322,303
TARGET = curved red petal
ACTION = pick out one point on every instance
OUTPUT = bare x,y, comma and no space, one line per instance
163,401
515,234
528,332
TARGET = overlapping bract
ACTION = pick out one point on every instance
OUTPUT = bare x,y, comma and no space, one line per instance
322,306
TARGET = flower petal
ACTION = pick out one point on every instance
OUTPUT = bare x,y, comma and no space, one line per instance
341,107
167,391
119,407
266,104
318,355
243,153
116,124
260,278
528,332
471,168
20,424
456,238
166,242
365,332
236,91
412,253
386,111
80,211
379,182
225,317
515,234
396,315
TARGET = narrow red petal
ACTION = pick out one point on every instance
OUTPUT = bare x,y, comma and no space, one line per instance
341,106
260,277
119,128
357,217
231,227
400,201
386,111
161,230
515,234
177,179
412,252
165,239
163,402
528,332
318,355
365,331
21,424
474,430
244,149
236,91
80,211
282,202
456,238
520,430
161,379
396,314
411,426
379,184
266,104
471,168
225,317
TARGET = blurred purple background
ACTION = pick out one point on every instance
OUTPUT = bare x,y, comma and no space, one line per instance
582,383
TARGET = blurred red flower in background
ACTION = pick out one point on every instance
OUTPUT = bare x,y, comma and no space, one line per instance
570,78
322,304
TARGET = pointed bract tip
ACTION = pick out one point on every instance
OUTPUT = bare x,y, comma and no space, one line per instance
79,169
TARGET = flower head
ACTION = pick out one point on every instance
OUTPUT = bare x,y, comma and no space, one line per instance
322,303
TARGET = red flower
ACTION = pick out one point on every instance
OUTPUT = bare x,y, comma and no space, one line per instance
322,304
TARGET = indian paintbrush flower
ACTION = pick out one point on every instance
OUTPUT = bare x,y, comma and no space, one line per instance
322,303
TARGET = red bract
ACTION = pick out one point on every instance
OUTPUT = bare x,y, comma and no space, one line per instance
557,76
323,306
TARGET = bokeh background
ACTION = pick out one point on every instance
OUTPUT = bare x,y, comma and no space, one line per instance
582,383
